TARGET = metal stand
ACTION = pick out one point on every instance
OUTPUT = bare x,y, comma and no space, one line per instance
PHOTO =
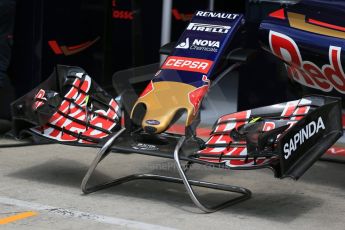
183,180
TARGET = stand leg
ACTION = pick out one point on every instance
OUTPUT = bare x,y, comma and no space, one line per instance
100,156
245,192
183,180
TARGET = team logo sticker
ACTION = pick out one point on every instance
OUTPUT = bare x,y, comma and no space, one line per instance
220,29
199,45
325,78
188,64
152,122
143,146
208,14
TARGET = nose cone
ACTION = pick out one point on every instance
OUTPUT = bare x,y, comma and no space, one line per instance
150,129
162,102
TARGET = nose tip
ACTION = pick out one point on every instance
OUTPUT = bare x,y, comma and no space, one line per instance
150,129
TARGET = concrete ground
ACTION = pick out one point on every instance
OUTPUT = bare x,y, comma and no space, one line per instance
46,180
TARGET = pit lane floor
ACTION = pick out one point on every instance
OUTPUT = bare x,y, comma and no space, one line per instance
46,180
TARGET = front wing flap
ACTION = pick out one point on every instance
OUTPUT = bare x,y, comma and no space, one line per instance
287,137
69,107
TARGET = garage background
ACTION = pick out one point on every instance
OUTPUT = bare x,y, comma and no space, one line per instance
106,36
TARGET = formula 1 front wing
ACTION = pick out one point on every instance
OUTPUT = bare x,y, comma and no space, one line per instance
70,108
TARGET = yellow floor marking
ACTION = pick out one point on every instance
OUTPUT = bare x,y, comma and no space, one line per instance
19,216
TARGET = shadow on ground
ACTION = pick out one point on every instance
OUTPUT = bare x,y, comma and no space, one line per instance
326,174
281,207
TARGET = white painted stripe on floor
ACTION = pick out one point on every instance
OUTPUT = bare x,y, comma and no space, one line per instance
82,215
